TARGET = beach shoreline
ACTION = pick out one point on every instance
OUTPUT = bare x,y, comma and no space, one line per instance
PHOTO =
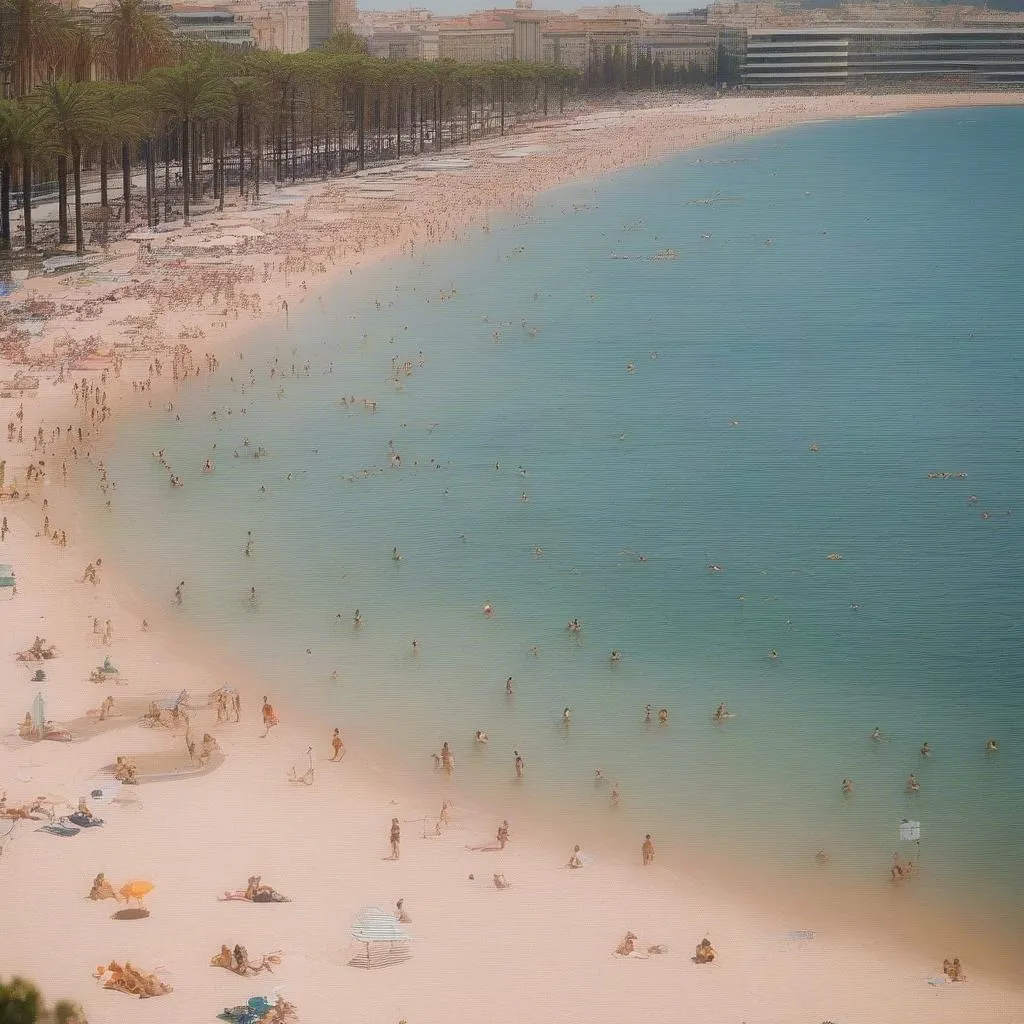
51,602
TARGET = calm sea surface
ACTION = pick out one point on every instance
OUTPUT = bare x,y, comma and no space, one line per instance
856,286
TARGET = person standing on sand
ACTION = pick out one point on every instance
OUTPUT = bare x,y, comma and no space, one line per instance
338,746
396,838
179,592
647,850
503,835
270,718
518,764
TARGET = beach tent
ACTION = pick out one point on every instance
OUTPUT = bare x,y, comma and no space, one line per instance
375,927
172,703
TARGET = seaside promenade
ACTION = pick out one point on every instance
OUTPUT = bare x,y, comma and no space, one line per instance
542,949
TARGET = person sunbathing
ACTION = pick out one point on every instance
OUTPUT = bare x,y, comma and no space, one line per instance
102,889
705,953
501,882
956,972
627,947
575,860
256,892
225,958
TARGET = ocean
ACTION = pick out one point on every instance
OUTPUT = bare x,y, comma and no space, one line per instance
752,356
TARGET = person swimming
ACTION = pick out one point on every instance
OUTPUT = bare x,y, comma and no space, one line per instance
876,734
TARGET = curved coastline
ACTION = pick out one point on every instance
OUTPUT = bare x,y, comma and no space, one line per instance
250,765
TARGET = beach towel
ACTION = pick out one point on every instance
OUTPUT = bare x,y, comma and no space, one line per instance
59,829
937,981
800,936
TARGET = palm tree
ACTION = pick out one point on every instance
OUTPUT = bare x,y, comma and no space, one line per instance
191,93
74,119
28,140
136,39
20,1002
39,33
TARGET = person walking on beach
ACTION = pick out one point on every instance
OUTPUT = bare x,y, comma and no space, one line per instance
396,838
179,592
4,529
518,764
503,835
647,850
270,718
338,746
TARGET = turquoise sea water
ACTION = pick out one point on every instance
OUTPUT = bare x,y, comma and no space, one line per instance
854,285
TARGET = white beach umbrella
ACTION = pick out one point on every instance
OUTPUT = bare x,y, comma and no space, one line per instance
373,925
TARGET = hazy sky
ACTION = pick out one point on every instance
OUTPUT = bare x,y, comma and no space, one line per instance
465,6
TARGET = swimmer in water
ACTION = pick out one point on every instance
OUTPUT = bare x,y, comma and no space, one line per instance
647,714
773,654
913,786
357,619
663,716
847,787
508,686
566,716
876,735
395,555
925,749
615,657
488,610
713,567
991,747
480,736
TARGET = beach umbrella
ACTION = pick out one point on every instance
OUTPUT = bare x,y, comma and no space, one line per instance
136,889
39,713
373,925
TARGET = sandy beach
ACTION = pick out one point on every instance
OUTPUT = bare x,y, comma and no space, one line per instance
542,949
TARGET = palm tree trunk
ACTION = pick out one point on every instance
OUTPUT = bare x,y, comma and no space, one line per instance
126,180
361,126
186,168
150,179
341,133
220,164
257,162
293,147
5,208
76,170
62,199
26,195
240,137
104,159
167,173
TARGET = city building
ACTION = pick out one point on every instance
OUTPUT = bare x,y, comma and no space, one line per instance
281,25
474,39
212,24
852,55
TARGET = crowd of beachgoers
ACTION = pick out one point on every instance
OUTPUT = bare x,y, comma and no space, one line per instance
150,760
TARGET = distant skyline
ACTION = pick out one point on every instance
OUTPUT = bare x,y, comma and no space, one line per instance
449,7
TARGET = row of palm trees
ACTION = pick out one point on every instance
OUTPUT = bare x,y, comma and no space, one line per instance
128,93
